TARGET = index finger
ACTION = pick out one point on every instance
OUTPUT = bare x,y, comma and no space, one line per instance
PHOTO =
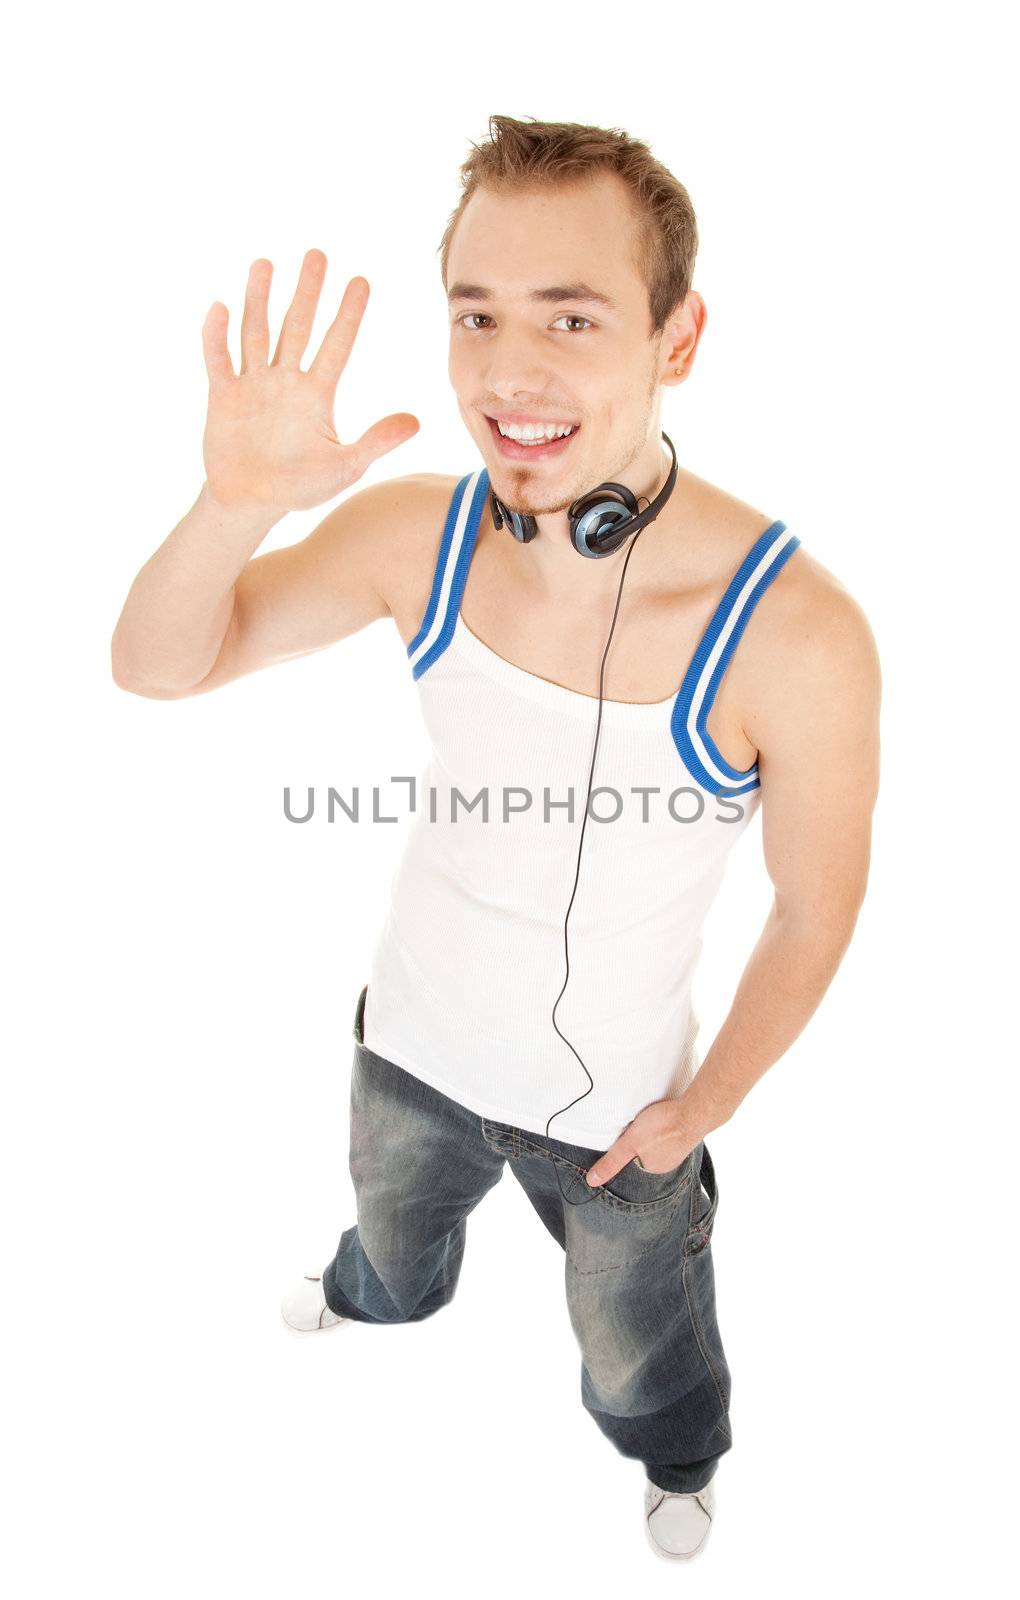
338,342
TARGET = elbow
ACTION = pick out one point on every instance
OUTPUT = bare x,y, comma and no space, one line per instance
121,672
134,682
149,691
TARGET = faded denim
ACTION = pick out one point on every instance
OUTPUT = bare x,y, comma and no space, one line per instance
639,1275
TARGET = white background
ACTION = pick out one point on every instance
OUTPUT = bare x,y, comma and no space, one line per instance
183,963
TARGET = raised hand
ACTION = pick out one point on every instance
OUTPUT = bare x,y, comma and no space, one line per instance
269,436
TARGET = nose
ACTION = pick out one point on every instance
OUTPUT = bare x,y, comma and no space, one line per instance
514,367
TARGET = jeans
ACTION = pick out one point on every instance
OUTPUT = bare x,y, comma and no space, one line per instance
639,1277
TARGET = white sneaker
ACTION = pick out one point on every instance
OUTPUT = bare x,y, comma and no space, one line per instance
678,1525
305,1306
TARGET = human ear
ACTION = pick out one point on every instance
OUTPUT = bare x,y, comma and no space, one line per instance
683,333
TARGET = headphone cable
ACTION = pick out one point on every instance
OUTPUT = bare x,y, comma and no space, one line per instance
580,847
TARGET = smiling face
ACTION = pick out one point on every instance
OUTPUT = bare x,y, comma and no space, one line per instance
532,345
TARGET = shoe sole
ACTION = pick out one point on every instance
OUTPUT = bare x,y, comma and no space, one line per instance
322,1328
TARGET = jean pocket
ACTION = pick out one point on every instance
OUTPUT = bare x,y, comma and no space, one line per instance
634,1186
704,1203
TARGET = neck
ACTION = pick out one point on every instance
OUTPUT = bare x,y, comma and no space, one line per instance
557,568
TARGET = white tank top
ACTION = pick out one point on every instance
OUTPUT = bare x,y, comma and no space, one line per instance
470,958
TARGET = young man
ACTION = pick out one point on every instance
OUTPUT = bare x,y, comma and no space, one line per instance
536,960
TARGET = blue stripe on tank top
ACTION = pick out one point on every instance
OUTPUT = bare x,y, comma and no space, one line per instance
459,572
437,579
739,782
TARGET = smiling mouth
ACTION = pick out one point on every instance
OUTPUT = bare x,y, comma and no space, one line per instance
525,449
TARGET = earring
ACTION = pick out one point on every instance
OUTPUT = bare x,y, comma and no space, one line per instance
678,370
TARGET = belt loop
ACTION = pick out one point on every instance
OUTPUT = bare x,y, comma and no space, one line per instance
359,1017
708,1174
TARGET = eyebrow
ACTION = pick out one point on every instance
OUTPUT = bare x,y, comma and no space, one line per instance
556,291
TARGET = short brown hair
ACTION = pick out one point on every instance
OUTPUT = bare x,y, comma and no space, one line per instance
521,155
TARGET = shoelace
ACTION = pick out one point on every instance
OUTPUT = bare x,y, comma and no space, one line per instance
654,1497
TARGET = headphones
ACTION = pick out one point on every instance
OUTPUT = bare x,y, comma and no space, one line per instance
598,525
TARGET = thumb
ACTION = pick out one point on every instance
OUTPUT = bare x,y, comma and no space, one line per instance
385,435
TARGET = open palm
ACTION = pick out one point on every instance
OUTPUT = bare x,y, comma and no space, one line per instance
269,436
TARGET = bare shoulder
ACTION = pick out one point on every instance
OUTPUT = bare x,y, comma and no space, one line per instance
391,530
811,656
807,644
410,527
400,511
813,621
806,614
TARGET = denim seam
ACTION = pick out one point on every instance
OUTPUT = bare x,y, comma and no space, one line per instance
618,1266
700,1336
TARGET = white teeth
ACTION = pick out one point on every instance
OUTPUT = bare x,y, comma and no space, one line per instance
534,432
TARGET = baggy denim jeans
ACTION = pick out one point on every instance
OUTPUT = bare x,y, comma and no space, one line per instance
639,1276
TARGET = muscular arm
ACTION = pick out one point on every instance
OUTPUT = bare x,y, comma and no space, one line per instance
816,726
201,613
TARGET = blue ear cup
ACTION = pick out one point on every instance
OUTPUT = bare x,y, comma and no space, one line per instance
523,528
598,524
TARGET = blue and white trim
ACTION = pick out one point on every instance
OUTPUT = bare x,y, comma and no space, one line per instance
693,703
462,523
